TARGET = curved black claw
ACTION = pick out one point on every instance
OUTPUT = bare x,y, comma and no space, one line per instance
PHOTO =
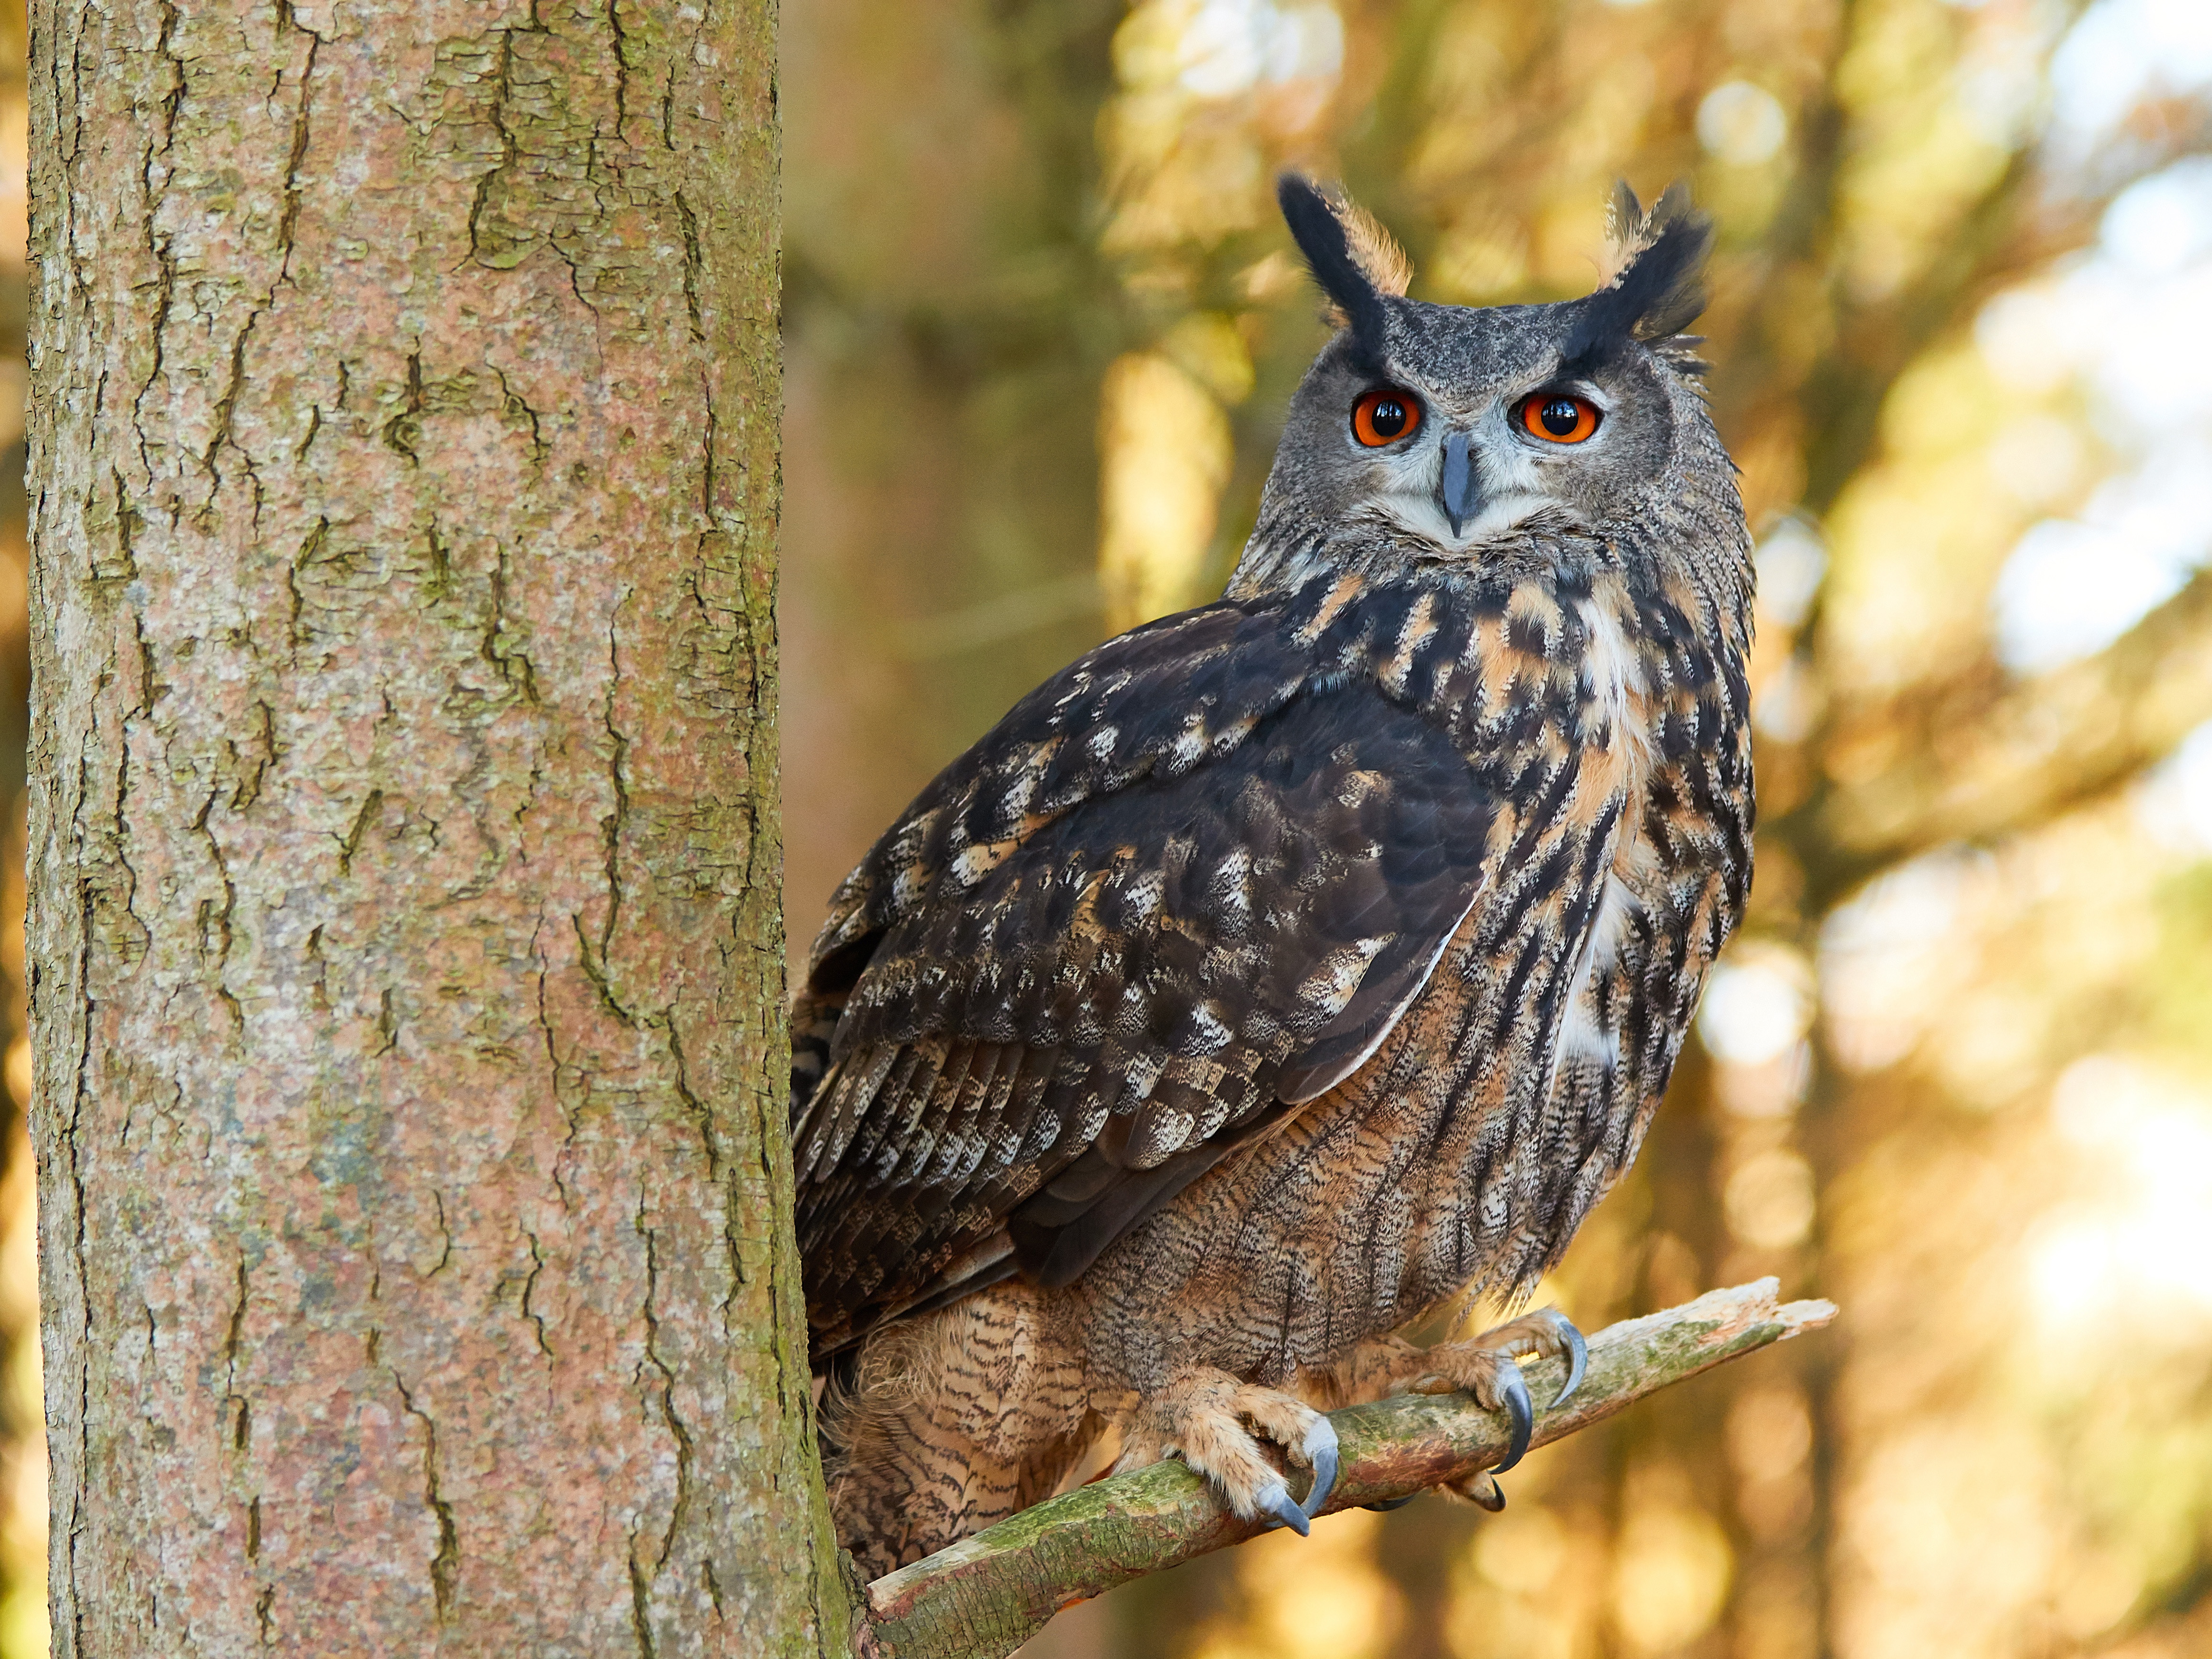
1578,1356
1389,1503
1493,1500
1519,1408
1279,1503
1320,1452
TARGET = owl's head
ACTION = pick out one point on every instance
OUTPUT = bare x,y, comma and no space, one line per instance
1453,429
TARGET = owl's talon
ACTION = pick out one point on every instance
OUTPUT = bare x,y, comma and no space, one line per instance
1320,1450
1214,1422
1389,1503
1578,1355
1492,1499
1514,1393
1278,1501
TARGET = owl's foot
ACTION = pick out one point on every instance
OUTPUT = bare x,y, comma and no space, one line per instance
1484,1367
1202,1418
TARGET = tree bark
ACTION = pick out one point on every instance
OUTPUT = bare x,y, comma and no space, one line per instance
407,960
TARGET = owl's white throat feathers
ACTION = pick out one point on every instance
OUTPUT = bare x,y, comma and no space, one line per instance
1512,492
1422,517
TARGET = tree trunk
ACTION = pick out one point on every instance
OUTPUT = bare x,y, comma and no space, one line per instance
407,961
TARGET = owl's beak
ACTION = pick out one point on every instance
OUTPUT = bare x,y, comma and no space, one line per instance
1458,495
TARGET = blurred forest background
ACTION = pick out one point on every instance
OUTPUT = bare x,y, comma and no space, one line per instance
1957,1074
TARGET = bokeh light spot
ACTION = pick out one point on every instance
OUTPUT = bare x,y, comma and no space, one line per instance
1741,124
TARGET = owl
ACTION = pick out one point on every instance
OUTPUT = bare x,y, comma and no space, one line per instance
1286,970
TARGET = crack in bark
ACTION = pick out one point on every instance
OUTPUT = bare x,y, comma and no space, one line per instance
611,826
133,951
127,521
640,1604
514,402
404,430
165,293
553,1059
234,1339
314,425
640,1583
694,261
622,65
440,587
445,1563
309,550
225,408
709,430
387,1024
222,918
173,101
529,1285
510,146
289,223
248,787
445,1232
692,1104
512,666
595,972
350,843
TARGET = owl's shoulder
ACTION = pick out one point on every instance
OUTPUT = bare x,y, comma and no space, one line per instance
1154,704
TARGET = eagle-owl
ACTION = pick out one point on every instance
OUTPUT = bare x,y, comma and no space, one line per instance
1287,967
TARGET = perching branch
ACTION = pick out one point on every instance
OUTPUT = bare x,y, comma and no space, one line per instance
984,1595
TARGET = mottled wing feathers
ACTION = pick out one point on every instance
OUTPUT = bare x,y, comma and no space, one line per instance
1158,700
1199,873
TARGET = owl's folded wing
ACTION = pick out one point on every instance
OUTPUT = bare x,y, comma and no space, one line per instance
1074,1011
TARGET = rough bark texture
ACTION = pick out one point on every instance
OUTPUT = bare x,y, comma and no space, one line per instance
984,1595
408,962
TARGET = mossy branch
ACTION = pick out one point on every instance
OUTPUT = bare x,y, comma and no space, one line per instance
984,1596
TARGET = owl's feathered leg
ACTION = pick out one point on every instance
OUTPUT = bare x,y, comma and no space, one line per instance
952,1420
1202,1417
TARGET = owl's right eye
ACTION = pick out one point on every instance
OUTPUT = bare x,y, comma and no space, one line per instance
1384,415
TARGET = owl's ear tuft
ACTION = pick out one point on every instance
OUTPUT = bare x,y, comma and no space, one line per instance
1659,289
1350,256
1375,250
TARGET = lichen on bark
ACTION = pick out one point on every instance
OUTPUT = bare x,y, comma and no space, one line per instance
408,957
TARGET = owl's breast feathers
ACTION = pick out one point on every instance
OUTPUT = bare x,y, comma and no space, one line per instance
1193,881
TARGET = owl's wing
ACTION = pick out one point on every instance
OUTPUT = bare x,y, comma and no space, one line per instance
1184,887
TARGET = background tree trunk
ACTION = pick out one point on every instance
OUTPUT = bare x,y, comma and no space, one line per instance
408,967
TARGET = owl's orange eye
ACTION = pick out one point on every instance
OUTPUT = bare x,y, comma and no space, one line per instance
1384,415
1557,418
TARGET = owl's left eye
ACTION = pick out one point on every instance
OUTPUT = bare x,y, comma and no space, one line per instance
1384,415
1557,418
